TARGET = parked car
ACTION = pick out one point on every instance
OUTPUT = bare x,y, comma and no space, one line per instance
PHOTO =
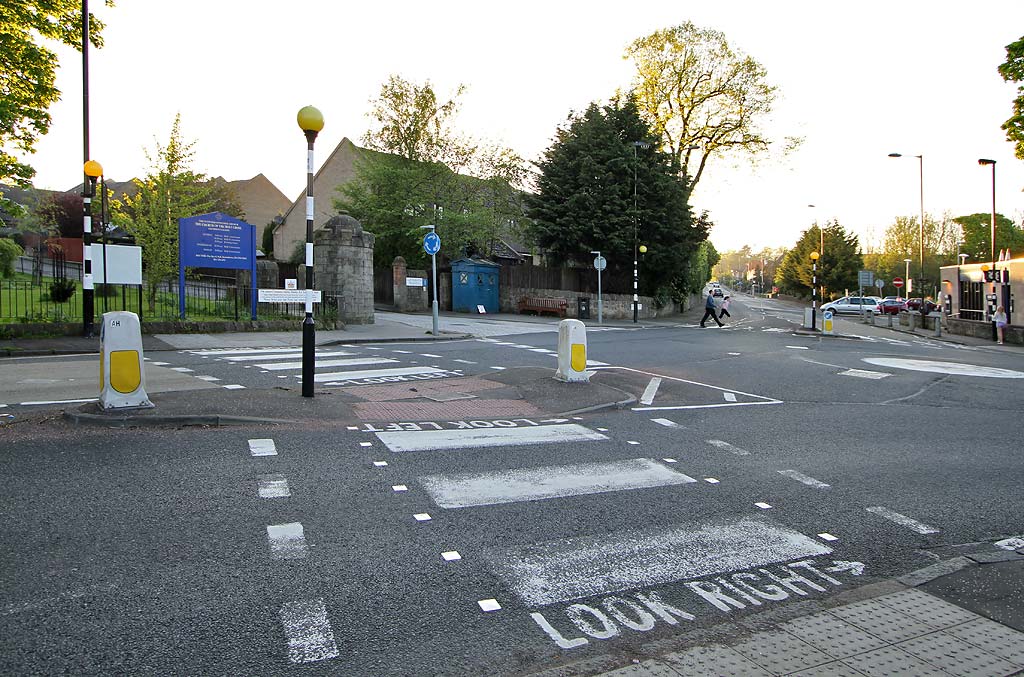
915,304
891,306
852,304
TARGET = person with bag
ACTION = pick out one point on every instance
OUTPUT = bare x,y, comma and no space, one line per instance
1000,319
710,310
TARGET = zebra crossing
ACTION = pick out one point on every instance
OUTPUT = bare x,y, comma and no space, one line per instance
333,366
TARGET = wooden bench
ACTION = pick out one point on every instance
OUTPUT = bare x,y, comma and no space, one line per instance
539,304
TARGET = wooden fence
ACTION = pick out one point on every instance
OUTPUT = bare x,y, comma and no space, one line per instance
582,280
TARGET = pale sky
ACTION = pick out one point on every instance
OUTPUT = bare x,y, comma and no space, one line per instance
857,80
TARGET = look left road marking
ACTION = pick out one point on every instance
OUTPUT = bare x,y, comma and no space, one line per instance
262,447
310,637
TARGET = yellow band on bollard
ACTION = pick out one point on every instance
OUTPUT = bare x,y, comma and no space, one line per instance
124,370
578,358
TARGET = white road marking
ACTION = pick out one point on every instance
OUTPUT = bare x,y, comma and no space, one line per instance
572,568
219,352
711,480
798,347
864,373
800,477
602,430
541,350
207,378
348,362
352,427
403,352
310,637
287,355
38,402
633,442
489,604
380,464
158,364
903,520
399,487
428,355
234,386
1012,543
670,460
465,490
707,406
499,368
666,422
273,486
431,440
451,556
366,444
650,391
825,536
721,444
734,353
763,506
287,541
729,397
422,517
183,370
464,361
262,447
955,368
373,373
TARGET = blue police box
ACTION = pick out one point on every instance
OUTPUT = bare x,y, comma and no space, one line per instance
474,283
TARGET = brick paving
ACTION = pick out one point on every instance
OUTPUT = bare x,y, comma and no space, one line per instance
444,411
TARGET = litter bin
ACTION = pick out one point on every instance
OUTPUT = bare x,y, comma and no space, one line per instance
582,308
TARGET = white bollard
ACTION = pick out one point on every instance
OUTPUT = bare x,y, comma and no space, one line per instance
572,352
122,372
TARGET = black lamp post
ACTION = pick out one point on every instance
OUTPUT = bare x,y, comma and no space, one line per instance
93,170
920,166
636,265
311,121
992,245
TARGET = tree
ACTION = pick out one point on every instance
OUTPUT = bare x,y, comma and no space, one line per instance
701,97
1012,70
9,253
977,236
837,267
28,70
170,191
585,197
417,170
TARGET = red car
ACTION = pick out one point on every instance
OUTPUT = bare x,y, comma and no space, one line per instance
891,306
915,304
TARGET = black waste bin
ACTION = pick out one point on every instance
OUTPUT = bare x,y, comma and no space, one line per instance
582,308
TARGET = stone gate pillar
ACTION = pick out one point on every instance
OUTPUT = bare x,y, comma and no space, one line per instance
343,267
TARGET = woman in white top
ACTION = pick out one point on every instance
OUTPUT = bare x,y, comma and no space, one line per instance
1000,319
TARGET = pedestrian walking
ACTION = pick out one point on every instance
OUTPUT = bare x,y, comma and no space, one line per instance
1000,319
710,310
725,308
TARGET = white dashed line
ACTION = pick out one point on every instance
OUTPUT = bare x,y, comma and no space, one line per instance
380,464
310,637
633,442
399,487
734,354
158,364
403,352
729,397
728,447
800,477
422,517
763,506
273,486
352,427
489,604
39,402
207,378
366,444
903,520
864,373
825,536
428,355
650,391
464,361
234,386
711,480
499,368
262,447
798,347
451,556
183,370
287,541
669,460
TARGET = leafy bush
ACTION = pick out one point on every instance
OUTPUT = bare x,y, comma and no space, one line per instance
9,253
61,290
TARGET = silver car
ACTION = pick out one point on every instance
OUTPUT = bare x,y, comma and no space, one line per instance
852,304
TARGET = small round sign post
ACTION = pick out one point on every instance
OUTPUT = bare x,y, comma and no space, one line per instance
432,245
600,263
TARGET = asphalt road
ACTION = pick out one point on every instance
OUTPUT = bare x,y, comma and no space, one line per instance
765,470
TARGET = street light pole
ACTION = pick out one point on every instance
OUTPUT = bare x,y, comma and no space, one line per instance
311,121
992,238
920,163
906,279
600,309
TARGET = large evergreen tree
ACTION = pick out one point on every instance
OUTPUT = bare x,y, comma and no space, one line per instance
599,160
837,268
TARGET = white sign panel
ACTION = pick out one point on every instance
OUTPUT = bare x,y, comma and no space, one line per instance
286,296
415,282
124,264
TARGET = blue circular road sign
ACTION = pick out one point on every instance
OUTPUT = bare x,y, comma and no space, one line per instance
431,243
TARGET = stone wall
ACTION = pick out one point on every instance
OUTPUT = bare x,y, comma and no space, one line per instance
408,299
343,268
983,330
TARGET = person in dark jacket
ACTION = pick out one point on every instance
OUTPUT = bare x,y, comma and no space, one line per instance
710,310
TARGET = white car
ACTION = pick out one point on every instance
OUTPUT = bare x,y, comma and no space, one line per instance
852,304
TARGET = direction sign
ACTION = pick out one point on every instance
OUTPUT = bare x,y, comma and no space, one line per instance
600,263
879,283
897,282
865,278
431,243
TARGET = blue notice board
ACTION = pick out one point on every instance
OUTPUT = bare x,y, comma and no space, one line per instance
215,240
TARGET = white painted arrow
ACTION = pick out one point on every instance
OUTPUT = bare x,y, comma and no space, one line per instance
855,568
